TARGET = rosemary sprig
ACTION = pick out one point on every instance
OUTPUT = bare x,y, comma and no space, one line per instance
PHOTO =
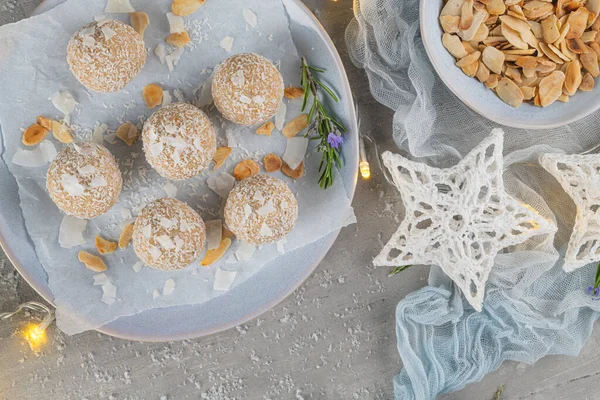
322,126
397,270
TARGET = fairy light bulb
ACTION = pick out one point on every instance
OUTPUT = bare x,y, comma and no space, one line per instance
363,166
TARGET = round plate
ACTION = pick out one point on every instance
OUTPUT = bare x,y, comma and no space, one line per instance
485,102
247,300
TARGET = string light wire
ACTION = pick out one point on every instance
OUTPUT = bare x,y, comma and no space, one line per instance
35,334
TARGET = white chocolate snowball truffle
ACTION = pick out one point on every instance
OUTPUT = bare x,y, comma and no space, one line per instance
168,234
247,89
84,180
261,209
105,56
179,141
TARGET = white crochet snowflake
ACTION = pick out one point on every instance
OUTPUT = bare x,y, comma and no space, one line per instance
580,178
459,218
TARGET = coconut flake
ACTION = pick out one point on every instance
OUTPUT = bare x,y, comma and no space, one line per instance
231,142
155,294
166,242
170,189
295,151
280,117
267,209
89,31
98,134
173,58
108,33
118,6
137,267
71,185
205,98
244,251
100,279
221,184
70,233
100,18
155,252
227,43
176,23
238,79
169,287
259,99
250,17
224,279
179,242
156,148
41,155
109,293
178,94
280,245
265,231
87,170
184,226
160,52
147,231
64,102
166,223
214,232
167,99
245,99
88,41
98,181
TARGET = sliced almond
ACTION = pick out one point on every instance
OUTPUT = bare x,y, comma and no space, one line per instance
478,17
559,53
515,24
139,21
105,246
520,52
483,73
527,62
596,48
266,128
537,9
471,69
513,37
495,7
564,30
492,81
293,173
589,61
509,92
513,74
528,92
34,134
221,155
178,39
468,48
128,133
589,36
573,77
91,261
578,22
214,255
536,100
550,88
272,163
453,44
450,23
537,30
245,169
550,29
186,7
61,132
44,122
466,15
293,92
125,237
468,59
481,34
550,53
563,98
295,126
153,95
587,83
493,59
576,46
565,50
560,8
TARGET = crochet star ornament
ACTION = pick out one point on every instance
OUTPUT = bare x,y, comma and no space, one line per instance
579,175
459,218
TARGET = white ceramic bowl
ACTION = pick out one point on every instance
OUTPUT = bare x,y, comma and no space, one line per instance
484,101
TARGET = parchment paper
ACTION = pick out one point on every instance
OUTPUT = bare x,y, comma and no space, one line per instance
33,68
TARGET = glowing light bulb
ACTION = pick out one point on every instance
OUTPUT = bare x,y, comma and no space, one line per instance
365,169
35,336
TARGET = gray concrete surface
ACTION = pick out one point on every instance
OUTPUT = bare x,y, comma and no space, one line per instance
332,339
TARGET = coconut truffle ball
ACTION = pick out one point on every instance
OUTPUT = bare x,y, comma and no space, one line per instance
168,235
247,89
84,180
105,56
179,141
261,209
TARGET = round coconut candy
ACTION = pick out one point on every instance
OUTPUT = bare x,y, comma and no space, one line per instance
84,180
105,56
247,89
168,234
261,209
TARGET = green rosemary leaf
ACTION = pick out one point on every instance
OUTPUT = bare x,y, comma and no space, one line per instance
397,270
316,69
327,89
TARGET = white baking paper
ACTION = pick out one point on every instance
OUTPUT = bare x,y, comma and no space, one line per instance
33,68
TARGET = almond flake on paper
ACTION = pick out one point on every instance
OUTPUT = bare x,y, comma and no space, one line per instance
250,17
118,6
227,43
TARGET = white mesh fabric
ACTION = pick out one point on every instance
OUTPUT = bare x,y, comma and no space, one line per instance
532,307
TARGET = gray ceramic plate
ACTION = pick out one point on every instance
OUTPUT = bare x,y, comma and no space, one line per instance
475,95
263,290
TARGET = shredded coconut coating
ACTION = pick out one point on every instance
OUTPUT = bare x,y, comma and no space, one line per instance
179,141
168,234
84,180
261,209
106,64
247,89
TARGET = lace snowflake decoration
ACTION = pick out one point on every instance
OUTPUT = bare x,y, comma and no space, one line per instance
579,175
459,218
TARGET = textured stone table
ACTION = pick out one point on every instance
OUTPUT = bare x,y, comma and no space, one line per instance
333,338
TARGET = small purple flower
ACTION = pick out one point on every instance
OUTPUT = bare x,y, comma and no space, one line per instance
594,292
335,141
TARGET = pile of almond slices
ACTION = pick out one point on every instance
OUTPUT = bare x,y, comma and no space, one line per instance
535,51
